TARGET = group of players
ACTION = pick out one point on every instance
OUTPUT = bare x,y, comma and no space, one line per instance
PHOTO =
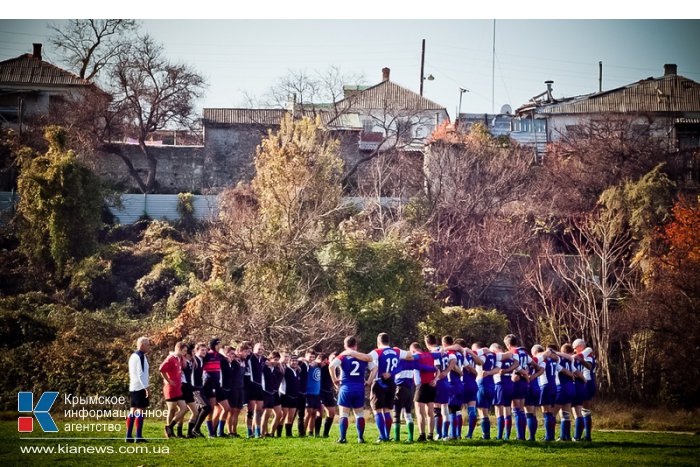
441,381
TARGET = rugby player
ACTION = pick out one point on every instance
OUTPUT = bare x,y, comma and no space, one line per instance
171,372
138,390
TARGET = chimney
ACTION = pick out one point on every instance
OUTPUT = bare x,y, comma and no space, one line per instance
385,74
549,84
670,69
37,51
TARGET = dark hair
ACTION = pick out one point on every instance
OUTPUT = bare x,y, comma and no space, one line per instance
383,338
416,345
479,345
275,354
552,347
567,348
245,345
214,342
322,356
461,342
430,339
511,340
447,340
350,341
200,345
311,350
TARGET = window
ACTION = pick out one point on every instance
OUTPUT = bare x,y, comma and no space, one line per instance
525,125
367,126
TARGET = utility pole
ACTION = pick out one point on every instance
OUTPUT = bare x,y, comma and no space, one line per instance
493,69
422,67
600,76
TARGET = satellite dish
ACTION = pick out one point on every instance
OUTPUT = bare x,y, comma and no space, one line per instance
506,109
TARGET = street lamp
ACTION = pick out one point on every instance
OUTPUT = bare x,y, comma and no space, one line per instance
459,109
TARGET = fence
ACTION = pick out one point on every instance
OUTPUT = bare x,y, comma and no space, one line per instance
164,207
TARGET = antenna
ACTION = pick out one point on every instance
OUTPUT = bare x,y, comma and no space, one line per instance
493,68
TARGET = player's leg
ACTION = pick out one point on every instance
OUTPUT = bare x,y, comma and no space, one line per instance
343,423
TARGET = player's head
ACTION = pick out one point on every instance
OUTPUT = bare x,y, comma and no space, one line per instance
496,348
382,339
431,340
536,349
567,349
322,357
180,349
214,344
350,343
231,353
477,346
274,357
310,354
579,345
200,349
259,349
143,344
552,347
511,341
461,342
415,347
244,349
294,361
447,340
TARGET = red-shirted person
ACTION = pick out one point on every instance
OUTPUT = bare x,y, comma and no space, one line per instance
171,371
425,394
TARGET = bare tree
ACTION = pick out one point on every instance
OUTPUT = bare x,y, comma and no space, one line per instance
90,45
152,93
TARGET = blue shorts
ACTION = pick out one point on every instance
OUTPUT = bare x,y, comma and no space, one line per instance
353,399
442,394
590,390
456,394
484,397
532,398
520,389
580,392
470,390
548,394
503,394
565,393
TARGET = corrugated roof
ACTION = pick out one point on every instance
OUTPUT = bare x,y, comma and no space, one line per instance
244,116
672,93
389,95
27,70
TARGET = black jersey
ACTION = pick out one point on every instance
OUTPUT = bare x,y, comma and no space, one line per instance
290,382
225,374
255,367
326,381
197,373
271,378
237,374
303,373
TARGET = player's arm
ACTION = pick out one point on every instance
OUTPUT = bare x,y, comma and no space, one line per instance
333,370
357,355
372,374
512,368
583,361
565,372
477,358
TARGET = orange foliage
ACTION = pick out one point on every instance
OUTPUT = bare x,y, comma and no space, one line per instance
682,235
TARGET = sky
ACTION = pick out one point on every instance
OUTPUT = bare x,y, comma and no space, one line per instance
245,57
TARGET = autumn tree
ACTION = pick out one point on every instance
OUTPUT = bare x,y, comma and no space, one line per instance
90,45
151,93
60,207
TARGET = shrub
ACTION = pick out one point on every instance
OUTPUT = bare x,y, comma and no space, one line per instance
471,324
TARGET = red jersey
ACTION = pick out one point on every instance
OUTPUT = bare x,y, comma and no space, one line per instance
425,358
172,367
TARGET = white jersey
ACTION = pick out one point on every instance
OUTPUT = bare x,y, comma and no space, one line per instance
138,372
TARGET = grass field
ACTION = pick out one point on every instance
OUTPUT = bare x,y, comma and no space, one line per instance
608,448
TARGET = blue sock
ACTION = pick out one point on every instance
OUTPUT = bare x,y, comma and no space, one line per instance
532,425
499,427
471,412
221,427
486,427
566,432
519,416
453,428
343,427
139,424
588,425
210,427
549,426
578,428
257,432
360,425
250,432
130,426
438,425
381,426
387,423
509,425
446,427
458,421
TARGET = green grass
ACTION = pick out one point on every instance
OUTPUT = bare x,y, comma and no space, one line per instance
606,449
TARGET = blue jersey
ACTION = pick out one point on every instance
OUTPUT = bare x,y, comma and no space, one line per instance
467,376
523,358
313,381
387,360
442,361
489,364
567,365
506,364
550,377
453,377
404,373
352,372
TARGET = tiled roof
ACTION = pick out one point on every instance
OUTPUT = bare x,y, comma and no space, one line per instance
244,116
671,93
389,95
30,71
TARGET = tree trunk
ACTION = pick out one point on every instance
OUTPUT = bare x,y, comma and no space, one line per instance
152,163
117,150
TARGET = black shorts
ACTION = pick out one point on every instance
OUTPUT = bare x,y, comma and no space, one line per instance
222,394
313,401
175,399
139,399
328,399
403,399
255,392
246,389
268,400
187,393
289,402
210,388
425,393
301,402
235,398
382,397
